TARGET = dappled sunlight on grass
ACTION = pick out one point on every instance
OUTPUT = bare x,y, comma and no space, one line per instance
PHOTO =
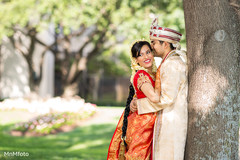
86,145
88,142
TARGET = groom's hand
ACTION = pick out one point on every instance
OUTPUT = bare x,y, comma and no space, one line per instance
133,105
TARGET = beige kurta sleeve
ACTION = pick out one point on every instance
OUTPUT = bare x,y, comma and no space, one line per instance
170,82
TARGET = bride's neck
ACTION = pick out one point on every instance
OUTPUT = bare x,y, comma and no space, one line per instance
149,71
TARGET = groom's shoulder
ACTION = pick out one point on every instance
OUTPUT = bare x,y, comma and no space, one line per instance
174,59
174,62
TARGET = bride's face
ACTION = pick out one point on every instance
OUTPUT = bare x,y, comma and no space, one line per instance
145,57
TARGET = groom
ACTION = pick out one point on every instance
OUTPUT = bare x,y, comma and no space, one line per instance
171,83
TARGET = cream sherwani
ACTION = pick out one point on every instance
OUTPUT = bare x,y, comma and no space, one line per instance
171,124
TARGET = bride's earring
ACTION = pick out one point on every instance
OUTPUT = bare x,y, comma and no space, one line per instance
136,62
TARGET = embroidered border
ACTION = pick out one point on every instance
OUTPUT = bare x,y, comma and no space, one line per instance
157,130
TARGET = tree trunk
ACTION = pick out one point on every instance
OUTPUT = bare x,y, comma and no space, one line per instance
213,38
19,42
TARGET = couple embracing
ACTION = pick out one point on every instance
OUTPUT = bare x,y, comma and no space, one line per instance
154,122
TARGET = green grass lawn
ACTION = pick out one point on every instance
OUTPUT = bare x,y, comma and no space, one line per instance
83,143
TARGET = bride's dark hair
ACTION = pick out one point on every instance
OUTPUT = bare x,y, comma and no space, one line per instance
137,46
126,112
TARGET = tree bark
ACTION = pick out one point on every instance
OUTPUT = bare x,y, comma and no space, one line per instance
213,38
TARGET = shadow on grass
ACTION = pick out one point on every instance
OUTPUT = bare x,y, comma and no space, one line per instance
83,143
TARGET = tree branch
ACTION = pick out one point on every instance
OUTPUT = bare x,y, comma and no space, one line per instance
74,71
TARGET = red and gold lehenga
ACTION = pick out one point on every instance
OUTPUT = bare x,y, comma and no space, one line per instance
139,130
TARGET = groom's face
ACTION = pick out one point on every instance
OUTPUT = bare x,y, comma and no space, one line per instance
157,47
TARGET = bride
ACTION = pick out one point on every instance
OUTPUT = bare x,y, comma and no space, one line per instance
133,136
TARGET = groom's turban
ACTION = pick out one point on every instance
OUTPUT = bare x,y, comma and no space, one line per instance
164,34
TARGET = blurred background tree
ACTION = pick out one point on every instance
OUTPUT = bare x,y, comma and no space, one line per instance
90,37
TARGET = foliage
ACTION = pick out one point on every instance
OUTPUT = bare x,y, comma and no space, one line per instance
132,21
129,19
104,29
